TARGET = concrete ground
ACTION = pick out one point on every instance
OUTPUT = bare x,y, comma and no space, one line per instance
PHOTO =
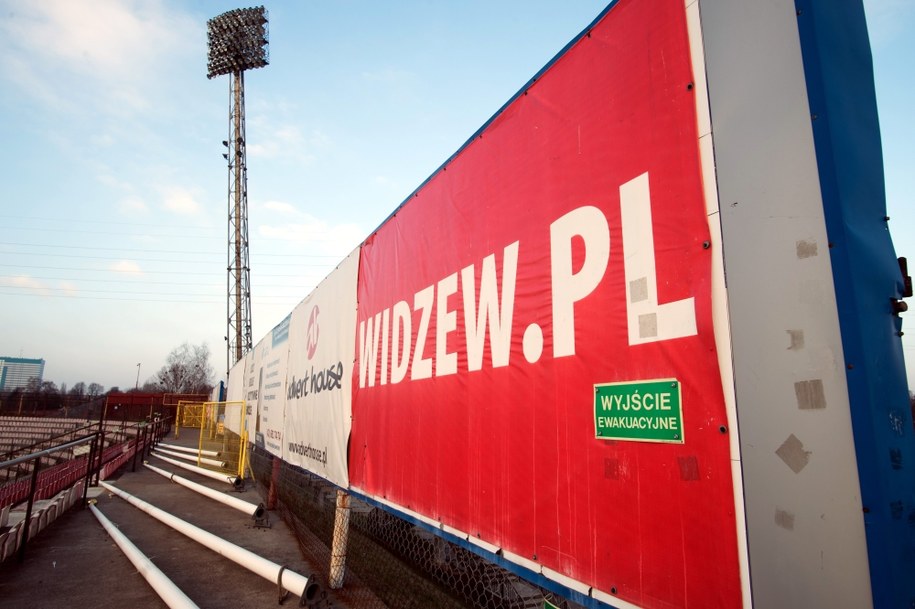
74,562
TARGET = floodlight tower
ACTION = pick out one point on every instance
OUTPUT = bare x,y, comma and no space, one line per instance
237,41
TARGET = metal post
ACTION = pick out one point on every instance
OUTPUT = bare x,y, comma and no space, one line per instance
151,438
341,537
274,484
100,453
89,462
27,523
146,439
136,447
101,447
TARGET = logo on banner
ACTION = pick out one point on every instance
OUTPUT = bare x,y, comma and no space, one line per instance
317,379
311,336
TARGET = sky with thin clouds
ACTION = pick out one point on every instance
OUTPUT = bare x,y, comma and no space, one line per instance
113,224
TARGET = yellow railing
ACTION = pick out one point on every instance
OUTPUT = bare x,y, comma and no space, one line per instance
215,432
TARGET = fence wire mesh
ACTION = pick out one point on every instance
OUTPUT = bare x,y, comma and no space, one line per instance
207,423
390,562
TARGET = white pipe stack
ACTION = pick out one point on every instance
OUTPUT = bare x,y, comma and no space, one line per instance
186,449
187,457
255,511
233,480
164,587
269,570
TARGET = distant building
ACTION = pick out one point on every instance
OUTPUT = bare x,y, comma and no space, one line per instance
16,372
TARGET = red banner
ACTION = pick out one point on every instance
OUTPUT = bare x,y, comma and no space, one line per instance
564,249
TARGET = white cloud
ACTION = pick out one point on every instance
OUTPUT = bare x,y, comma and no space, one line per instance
69,288
132,206
314,235
31,284
128,267
285,142
148,240
317,236
281,207
391,76
118,45
181,201
102,140
105,173
117,38
27,78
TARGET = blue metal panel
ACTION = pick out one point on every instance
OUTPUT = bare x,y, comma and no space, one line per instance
840,83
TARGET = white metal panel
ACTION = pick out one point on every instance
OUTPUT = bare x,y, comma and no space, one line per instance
720,318
804,521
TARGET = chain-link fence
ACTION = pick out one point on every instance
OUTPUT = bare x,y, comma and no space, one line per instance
389,561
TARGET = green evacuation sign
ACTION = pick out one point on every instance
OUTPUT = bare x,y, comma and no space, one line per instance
644,411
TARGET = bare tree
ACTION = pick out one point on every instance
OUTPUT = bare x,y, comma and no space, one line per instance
95,390
151,386
79,389
187,370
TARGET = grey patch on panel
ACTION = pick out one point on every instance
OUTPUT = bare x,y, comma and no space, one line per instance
810,395
797,339
638,290
648,325
784,519
793,454
806,249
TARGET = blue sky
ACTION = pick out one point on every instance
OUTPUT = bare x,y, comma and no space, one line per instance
114,210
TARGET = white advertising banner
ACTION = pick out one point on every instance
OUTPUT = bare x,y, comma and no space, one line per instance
319,377
254,380
272,389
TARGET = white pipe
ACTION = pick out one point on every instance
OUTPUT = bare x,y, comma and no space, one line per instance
164,587
186,457
255,511
233,480
187,449
269,570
